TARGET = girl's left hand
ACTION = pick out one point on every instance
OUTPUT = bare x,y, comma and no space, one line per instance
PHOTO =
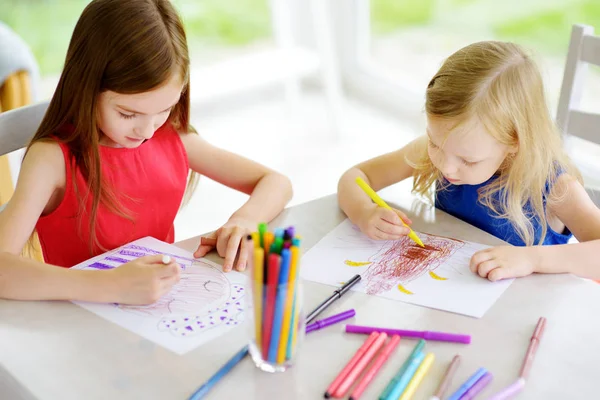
228,239
504,262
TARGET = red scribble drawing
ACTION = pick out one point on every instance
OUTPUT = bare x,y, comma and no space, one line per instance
404,261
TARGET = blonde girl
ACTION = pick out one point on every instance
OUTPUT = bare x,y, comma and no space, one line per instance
492,157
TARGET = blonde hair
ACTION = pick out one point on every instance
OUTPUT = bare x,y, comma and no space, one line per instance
500,85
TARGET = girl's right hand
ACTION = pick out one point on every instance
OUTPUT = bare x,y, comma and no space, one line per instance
144,280
382,224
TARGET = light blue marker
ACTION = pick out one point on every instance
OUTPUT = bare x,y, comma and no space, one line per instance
407,376
467,385
280,300
388,389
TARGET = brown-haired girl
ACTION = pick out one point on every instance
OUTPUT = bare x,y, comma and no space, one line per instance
110,164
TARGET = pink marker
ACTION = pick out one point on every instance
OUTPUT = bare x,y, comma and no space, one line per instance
377,365
353,361
532,349
360,366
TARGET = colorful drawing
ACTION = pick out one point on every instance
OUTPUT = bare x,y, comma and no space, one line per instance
436,276
402,261
202,305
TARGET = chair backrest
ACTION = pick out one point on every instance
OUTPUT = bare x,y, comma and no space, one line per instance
584,49
18,126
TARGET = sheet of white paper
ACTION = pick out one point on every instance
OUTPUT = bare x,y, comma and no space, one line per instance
205,304
437,276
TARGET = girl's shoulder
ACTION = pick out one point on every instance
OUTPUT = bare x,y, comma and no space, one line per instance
43,173
46,154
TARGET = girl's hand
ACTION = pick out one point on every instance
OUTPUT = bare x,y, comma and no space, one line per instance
144,280
504,262
382,224
230,241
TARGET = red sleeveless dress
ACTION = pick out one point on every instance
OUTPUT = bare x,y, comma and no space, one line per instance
149,182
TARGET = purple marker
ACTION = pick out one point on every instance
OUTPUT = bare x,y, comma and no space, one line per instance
330,321
427,335
478,386
509,391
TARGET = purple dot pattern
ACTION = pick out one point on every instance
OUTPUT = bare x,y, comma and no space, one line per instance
230,314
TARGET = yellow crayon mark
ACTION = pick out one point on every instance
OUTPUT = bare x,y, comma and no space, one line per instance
436,276
356,263
404,290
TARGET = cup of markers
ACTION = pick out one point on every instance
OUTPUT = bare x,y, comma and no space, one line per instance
277,320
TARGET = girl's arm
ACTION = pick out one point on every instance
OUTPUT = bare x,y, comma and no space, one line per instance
42,175
269,192
582,217
379,172
39,190
579,214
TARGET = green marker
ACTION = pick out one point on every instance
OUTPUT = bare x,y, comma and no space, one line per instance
262,229
390,387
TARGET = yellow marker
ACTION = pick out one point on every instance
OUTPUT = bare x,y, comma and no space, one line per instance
296,318
257,273
256,239
418,377
379,201
288,309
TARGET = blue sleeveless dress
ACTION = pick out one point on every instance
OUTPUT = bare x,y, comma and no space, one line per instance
461,201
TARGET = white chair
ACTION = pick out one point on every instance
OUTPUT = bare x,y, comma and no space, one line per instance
584,49
18,126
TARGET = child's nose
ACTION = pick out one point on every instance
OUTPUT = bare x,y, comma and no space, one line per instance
448,168
146,131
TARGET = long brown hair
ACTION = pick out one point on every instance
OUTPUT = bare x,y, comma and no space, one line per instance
127,47
500,84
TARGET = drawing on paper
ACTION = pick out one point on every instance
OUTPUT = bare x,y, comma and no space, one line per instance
204,304
402,261
436,276
203,299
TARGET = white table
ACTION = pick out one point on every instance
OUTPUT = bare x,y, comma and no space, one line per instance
56,350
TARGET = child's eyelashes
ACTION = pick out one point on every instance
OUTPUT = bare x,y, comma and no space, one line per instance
469,163
432,145
126,116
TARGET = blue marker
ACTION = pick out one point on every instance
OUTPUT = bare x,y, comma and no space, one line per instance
388,389
204,389
467,385
280,299
407,376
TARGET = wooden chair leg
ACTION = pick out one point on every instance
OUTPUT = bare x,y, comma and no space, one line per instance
6,183
11,92
25,85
